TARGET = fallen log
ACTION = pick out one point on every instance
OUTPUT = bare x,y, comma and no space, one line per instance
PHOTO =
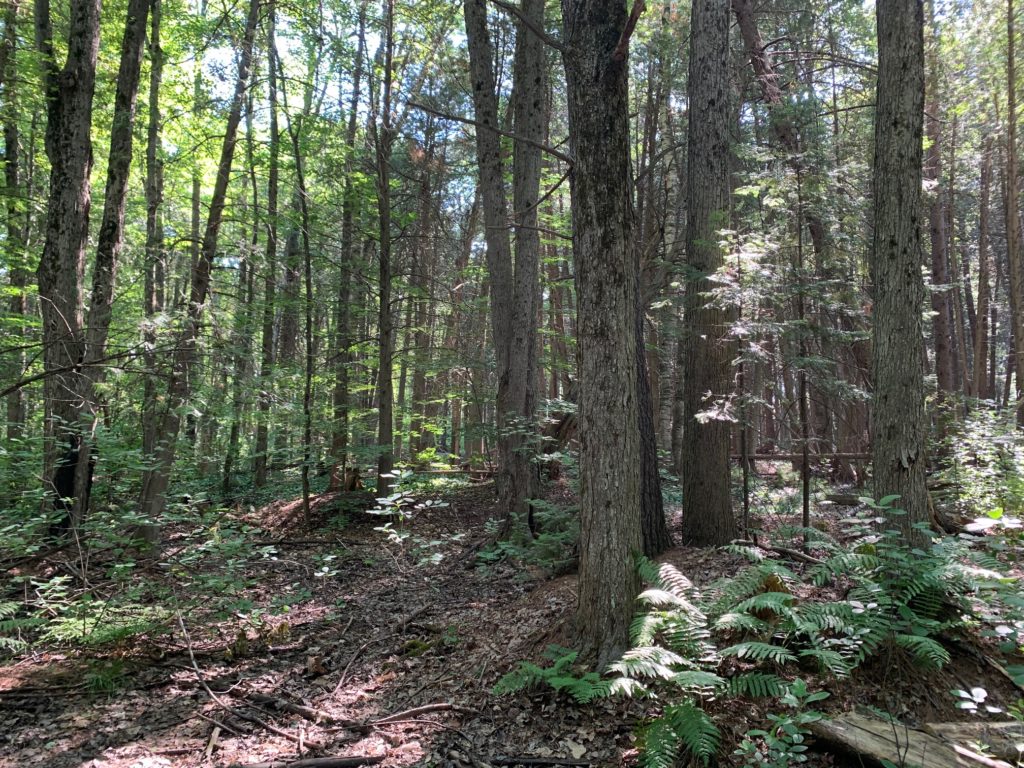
897,743
1004,740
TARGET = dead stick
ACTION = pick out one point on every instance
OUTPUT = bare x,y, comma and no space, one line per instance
535,761
425,709
786,551
317,762
232,710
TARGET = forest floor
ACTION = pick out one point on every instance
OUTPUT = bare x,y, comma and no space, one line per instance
354,647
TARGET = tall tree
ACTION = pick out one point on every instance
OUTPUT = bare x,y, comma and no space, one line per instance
707,506
897,416
596,35
69,96
179,389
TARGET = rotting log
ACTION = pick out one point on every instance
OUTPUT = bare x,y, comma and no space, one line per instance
897,743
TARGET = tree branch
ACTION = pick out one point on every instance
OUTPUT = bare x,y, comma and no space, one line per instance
622,49
447,116
547,39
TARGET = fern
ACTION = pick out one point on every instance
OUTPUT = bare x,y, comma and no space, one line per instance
757,685
925,650
757,651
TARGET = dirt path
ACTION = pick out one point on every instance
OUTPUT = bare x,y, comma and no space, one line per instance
371,634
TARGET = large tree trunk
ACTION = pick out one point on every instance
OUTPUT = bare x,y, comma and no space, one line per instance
1013,238
707,506
69,94
16,217
384,140
179,389
155,256
262,447
898,417
981,387
342,314
513,287
606,289
110,241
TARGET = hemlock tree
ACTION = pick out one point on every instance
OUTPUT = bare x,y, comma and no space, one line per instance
595,40
898,418
707,506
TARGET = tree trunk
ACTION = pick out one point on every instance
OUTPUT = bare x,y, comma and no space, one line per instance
16,218
262,447
384,140
898,417
1013,238
342,335
981,387
707,506
154,492
69,94
606,288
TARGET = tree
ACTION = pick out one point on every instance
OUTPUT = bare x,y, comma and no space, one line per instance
69,94
594,54
707,506
897,416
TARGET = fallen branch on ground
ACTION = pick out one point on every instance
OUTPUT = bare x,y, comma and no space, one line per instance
316,762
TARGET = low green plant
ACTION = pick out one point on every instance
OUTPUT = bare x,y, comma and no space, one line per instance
783,743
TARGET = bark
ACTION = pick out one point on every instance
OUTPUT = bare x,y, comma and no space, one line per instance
981,388
707,506
513,286
69,95
606,289
153,496
342,315
1013,236
898,417
384,140
109,243
155,255
262,447
942,331
16,217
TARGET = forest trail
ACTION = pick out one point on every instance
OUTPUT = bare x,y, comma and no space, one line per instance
342,643
354,631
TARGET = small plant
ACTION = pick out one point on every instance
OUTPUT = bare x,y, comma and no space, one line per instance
104,677
782,744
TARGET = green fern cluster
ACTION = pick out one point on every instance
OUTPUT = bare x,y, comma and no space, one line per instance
559,676
12,626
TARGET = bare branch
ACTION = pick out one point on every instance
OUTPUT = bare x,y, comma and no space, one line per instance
547,39
447,116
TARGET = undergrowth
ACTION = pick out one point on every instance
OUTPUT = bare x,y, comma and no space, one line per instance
891,599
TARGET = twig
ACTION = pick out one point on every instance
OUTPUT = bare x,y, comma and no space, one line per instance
359,650
400,625
795,554
501,760
459,119
442,706
544,37
316,762
226,707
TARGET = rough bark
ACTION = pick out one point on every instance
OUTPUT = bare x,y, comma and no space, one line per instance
513,285
606,289
707,506
981,387
384,140
262,447
898,417
15,216
69,94
1013,236
342,313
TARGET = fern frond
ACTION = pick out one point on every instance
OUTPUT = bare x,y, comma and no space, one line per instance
757,651
925,650
757,685
695,730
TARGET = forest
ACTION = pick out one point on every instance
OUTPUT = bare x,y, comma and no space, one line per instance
511,383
